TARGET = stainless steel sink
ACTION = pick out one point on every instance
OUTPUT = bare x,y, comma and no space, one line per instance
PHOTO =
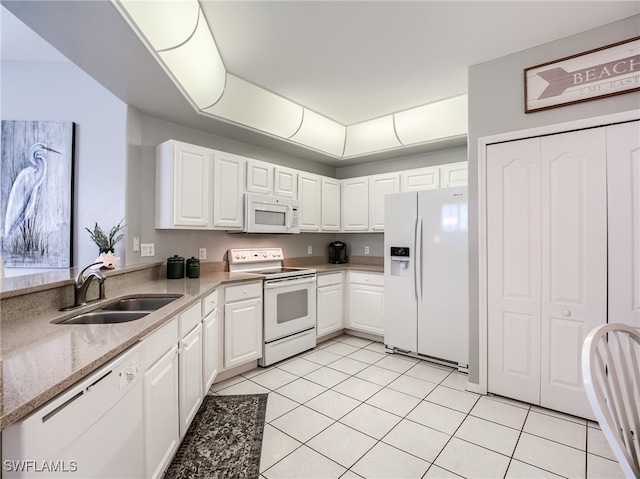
147,303
106,317
123,310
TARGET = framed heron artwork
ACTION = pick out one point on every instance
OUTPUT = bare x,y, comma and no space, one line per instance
36,193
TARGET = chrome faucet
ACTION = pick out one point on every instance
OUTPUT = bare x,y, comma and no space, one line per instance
81,285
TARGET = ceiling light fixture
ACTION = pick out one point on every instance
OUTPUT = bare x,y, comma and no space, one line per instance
178,34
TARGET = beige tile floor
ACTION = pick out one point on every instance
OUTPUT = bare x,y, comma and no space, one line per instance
348,410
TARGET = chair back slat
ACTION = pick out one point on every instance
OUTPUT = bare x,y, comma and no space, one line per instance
611,372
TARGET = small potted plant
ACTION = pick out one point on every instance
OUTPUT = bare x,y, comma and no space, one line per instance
106,244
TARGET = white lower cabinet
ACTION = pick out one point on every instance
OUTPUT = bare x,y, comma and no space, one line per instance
160,396
329,304
366,302
242,324
190,377
162,432
210,339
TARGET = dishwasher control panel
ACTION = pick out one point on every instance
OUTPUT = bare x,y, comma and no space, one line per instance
129,372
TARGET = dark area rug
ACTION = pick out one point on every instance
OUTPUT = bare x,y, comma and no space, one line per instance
224,439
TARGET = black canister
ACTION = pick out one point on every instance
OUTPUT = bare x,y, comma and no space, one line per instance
175,267
193,267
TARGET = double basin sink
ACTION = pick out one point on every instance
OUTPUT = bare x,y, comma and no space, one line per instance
123,310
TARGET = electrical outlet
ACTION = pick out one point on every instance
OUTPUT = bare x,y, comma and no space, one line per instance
366,250
136,244
147,249
203,253
309,249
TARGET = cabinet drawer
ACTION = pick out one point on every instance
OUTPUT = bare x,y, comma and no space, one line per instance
209,303
189,319
374,279
159,342
242,291
329,279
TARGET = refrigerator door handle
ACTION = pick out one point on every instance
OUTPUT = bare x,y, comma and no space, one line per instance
418,261
415,258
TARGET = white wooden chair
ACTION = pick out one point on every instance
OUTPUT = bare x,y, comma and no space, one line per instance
611,372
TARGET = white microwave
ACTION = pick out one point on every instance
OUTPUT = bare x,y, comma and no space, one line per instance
269,214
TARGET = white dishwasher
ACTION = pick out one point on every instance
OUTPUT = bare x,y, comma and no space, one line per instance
92,430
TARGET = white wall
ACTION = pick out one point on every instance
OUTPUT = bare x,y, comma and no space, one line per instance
440,157
496,105
60,91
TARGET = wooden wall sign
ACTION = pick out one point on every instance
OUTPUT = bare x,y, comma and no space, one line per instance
606,71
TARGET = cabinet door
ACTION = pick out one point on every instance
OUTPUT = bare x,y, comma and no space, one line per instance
190,379
330,205
355,204
285,182
420,179
379,186
228,183
259,177
329,309
366,306
623,177
242,332
161,420
210,346
309,189
183,186
453,174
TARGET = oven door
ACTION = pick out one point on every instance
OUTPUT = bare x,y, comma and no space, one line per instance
289,306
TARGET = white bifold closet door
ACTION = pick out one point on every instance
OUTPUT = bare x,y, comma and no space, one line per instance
547,264
623,177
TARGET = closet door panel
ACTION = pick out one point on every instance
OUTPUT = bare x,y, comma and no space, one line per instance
573,261
513,215
623,176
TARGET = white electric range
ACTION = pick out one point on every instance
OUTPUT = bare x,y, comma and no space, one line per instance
289,303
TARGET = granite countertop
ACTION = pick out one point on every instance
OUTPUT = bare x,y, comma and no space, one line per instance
40,358
333,268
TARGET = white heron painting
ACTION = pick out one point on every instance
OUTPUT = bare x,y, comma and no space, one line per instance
36,188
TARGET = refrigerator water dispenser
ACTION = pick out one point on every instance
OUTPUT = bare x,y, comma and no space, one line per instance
399,261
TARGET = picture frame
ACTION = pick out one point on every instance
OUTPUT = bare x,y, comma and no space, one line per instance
603,72
36,193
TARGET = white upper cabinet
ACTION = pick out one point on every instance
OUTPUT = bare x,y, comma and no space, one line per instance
309,194
379,187
453,174
285,182
330,210
228,191
355,204
259,177
420,179
183,186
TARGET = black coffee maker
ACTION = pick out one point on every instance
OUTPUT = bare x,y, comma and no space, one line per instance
337,252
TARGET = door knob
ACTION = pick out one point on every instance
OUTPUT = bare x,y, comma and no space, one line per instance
566,313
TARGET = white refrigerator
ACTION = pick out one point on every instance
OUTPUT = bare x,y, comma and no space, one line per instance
426,299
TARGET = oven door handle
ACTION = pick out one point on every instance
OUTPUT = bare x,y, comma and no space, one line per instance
279,283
